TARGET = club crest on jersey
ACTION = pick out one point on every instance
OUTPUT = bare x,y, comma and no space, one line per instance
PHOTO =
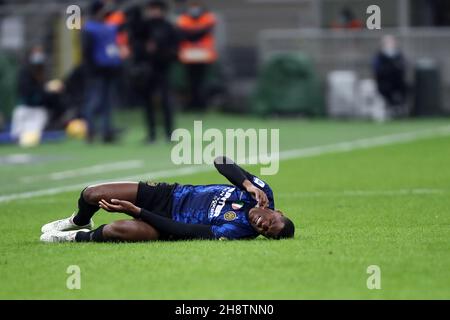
230,216
237,205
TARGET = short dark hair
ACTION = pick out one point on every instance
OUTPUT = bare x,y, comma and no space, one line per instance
288,230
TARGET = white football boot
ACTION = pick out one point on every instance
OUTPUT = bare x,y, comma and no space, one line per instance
65,225
61,236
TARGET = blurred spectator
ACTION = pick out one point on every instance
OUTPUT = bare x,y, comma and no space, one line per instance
116,17
74,93
197,49
102,62
136,34
389,69
347,20
31,115
179,7
55,90
160,47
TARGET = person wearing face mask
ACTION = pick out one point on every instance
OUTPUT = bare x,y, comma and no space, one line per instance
159,45
389,68
197,49
101,63
34,98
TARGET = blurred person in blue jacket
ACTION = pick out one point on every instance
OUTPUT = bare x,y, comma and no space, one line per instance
101,61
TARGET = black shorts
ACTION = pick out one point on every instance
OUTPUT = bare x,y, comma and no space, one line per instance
156,197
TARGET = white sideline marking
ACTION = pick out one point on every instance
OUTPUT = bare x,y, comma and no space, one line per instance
365,143
154,175
101,168
345,146
18,158
362,193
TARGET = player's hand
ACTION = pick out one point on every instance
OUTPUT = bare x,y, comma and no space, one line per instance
120,206
259,195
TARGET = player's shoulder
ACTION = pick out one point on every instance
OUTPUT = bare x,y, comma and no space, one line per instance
234,231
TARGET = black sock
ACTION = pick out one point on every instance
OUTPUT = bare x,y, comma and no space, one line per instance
91,236
85,211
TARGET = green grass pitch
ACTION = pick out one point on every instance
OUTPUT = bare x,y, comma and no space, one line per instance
387,206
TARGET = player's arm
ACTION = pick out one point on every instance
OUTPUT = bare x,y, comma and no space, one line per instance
165,225
177,229
240,178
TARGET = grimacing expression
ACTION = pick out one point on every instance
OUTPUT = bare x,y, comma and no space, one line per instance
266,221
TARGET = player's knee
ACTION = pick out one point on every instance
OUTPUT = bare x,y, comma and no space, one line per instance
92,195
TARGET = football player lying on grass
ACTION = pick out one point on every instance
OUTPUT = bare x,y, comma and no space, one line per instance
163,211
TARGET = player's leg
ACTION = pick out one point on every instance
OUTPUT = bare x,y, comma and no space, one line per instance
107,191
121,230
88,205
89,198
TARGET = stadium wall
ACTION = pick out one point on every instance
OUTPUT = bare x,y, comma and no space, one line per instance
354,50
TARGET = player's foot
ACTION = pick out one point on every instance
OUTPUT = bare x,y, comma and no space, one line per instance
60,236
66,224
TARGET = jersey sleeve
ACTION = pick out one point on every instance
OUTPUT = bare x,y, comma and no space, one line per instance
230,170
236,175
231,231
259,183
177,229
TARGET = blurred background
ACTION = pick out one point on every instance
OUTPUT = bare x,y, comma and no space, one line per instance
306,58
362,117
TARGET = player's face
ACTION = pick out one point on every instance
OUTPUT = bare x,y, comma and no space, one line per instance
266,221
